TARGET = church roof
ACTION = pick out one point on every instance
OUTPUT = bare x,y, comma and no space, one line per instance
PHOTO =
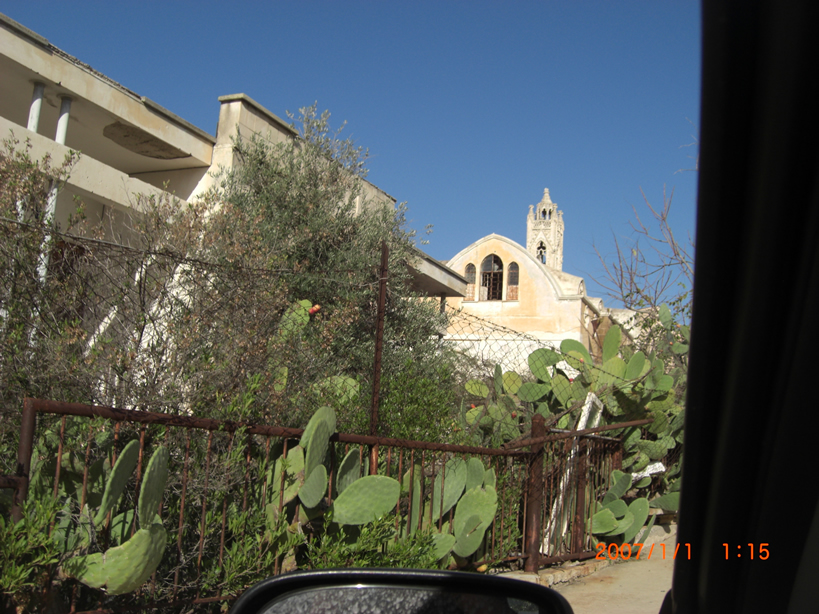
565,285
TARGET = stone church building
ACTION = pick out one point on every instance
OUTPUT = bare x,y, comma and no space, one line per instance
525,289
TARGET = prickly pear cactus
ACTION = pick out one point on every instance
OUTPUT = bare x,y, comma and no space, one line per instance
319,429
123,468
475,474
126,567
473,515
454,479
639,510
122,569
349,470
294,319
323,414
469,539
366,500
153,485
312,492
443,544
293,476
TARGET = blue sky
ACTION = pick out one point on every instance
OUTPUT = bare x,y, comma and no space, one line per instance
469,109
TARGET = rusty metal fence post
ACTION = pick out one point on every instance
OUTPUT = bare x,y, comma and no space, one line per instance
579,524
534,496
24,459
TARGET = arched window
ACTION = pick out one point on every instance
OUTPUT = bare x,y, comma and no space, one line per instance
512,282
470,282
543,214
491,278
541,252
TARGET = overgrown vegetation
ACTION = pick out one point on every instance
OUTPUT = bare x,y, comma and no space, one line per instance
247,509
184,315
572,392
257,304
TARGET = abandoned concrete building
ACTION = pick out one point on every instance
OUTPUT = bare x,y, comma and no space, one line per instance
132,146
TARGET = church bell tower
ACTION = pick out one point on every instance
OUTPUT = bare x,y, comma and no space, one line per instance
544,232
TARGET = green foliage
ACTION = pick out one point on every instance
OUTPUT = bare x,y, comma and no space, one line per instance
374,545
286,223
27,554
417,401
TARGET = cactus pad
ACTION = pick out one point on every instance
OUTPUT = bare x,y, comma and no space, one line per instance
366,500
294,319
562,389
639,509
603,522
454,479
470,537
474,473
612,372
511,382
669,501
415,503
443,543
568,346
477,388
293,477
341,388
122,569
117,480
611,343
531,392
618,488
318,446
655,450
153,486
349,470
477,502
540,361
312,492
618,507
121,526
322,413
623,524
636,365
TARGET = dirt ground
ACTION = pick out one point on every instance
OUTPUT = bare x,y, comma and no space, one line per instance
633,587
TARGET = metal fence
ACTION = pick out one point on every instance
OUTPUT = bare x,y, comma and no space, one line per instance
219,478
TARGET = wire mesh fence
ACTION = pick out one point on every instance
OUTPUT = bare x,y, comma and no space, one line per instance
487,343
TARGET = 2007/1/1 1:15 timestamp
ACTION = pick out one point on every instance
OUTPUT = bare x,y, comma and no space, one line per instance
627,551
752,551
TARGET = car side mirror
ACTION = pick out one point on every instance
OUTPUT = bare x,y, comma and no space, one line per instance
371,591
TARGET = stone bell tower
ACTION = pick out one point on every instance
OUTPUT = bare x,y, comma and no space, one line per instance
544,232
